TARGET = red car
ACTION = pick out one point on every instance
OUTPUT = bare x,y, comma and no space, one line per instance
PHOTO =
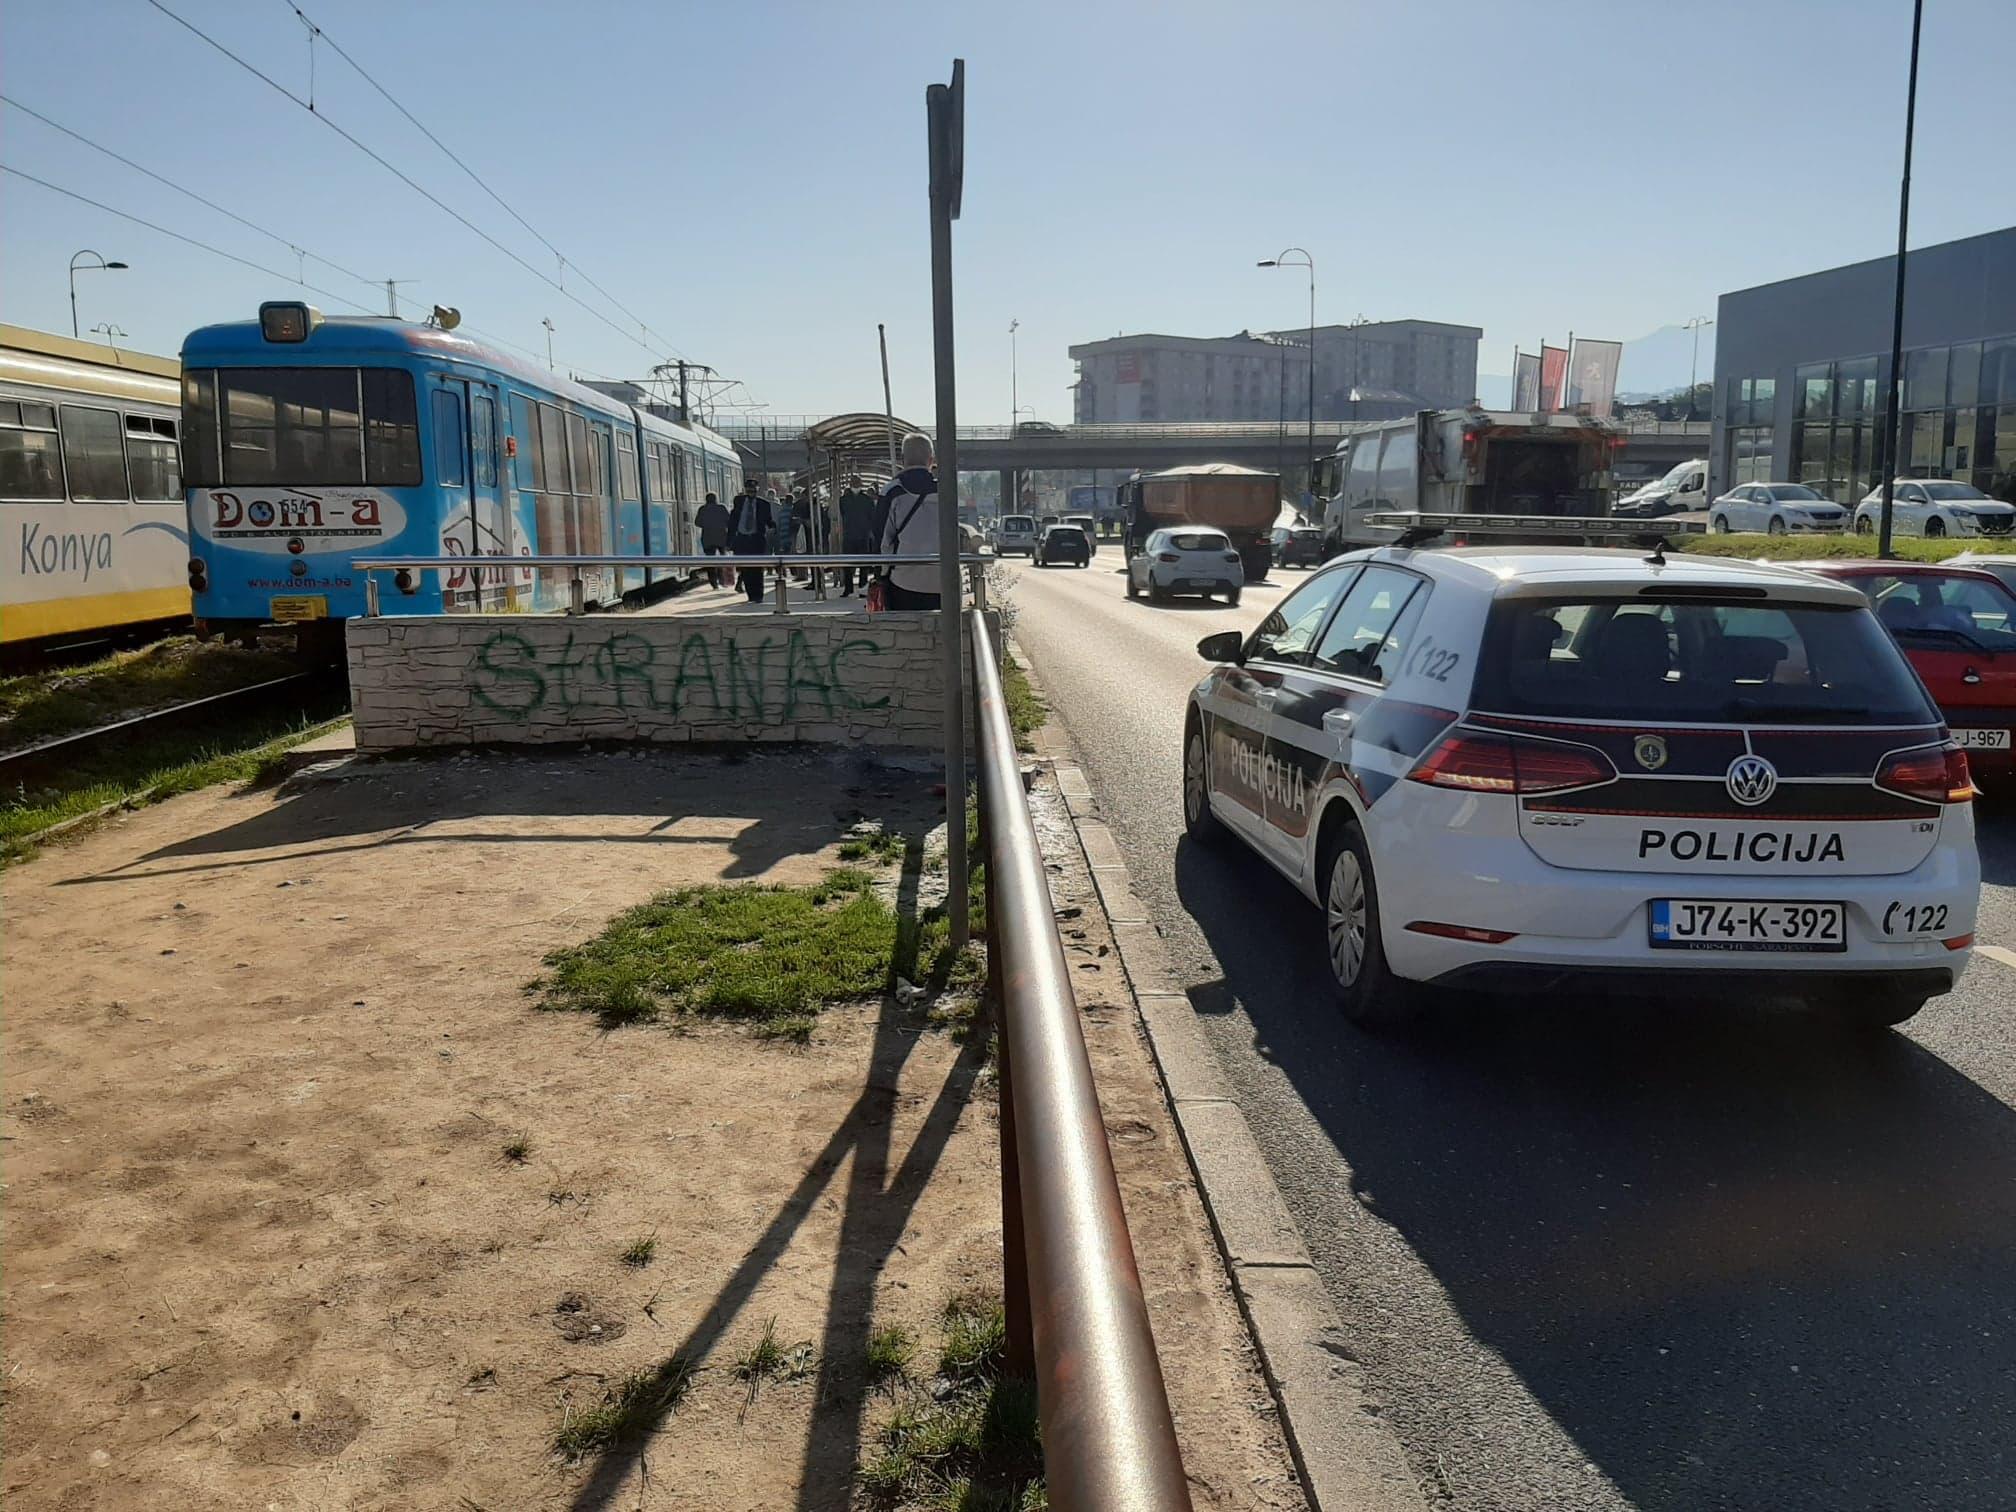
1957,626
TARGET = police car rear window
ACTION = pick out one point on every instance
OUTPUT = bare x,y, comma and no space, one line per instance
1733,662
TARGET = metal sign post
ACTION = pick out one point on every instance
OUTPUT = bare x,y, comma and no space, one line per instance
945,112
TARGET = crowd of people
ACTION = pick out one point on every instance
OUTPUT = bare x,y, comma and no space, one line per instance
900,520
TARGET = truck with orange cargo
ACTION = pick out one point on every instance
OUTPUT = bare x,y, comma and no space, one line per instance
1241,501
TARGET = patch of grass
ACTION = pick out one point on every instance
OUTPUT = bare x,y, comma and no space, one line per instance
974,1444
639,1253
517,1148
1790,548
890,1351
248,749
628,1411
45,704
1026,708
772,956
976,1337
884,847
767,1360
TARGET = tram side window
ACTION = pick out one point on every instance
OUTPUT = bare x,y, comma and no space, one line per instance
95,455
552,450
391,428
483,439
31,458
626,464
525,424
153,459
447,438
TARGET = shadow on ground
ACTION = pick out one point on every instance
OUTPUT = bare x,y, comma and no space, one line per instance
1743,1261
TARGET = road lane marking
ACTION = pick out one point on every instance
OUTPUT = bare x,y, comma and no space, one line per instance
1998,953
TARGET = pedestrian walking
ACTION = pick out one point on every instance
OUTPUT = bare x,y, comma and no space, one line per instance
857,532
910,504
712,520
750,524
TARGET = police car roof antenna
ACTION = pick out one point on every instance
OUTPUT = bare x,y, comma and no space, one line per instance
1658,543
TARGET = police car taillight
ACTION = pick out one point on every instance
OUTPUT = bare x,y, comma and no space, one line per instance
1938,775
1479,763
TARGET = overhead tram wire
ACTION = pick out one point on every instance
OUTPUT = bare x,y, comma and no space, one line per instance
475,177
286,241
403,177
246,262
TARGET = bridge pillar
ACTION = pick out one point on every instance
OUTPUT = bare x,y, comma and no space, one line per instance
1011,484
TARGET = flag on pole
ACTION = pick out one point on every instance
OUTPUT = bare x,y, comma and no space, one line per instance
1592,376
1553,369
1526,382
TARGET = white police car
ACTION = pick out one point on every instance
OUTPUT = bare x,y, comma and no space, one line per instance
1510,768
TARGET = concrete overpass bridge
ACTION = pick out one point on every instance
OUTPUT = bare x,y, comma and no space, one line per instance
780,444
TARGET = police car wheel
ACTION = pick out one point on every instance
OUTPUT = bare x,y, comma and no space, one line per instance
1367,990
1198,821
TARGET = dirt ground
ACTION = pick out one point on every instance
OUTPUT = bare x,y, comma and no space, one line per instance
264,1052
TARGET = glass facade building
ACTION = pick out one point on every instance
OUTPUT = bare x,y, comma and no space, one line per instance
1802,374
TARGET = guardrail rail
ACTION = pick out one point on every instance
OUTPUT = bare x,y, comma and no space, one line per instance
1076,1317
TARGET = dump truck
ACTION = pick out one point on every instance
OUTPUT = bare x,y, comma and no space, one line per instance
1241,501
1466,462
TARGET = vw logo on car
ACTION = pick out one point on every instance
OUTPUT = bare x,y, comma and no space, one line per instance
1752,780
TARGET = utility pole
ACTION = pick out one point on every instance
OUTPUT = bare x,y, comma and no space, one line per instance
945,111
1694,367
1893,423
547,322
392,295
888,408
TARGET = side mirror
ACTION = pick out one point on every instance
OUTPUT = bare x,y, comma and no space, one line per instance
1225,646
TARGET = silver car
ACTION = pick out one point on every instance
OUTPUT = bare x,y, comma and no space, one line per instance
1186,559
1935,507
1776,509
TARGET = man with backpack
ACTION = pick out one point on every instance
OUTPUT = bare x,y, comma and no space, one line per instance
910,504
750,523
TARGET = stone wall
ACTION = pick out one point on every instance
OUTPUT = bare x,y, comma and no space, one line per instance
872,679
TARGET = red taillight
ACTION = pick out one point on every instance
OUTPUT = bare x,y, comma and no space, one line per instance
1466,932
1937,774
1958,942
1231,556
1498,764
1167,556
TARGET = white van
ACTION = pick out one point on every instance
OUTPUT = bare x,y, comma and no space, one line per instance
1684,488
1015,533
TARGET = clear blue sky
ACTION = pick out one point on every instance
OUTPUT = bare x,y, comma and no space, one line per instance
750,178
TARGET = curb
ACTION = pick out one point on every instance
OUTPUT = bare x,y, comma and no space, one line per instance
1347,1457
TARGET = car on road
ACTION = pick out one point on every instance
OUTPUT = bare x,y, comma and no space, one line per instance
1090,525
1064,543
1298,545
1935,507
1530,769
1957,627
1186,559
1776,509
1015,534
1684,490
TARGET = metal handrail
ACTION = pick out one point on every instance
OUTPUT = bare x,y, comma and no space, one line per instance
975,563
1073,1291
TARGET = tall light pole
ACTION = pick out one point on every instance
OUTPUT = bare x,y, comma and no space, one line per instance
547,322
1694,367
1014,408
1893,423
1283,261
109,267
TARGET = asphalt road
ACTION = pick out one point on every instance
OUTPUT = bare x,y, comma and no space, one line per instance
1595,1254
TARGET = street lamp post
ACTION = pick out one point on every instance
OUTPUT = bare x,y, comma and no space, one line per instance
1694,367
1309,487
1893,423
75,266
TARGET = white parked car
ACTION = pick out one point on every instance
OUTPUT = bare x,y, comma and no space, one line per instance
1530,769
1186,559
1015,533
1935,507
1776,509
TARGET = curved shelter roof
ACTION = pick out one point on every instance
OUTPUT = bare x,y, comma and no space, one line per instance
860,434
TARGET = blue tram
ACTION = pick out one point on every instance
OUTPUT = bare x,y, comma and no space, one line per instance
310,442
